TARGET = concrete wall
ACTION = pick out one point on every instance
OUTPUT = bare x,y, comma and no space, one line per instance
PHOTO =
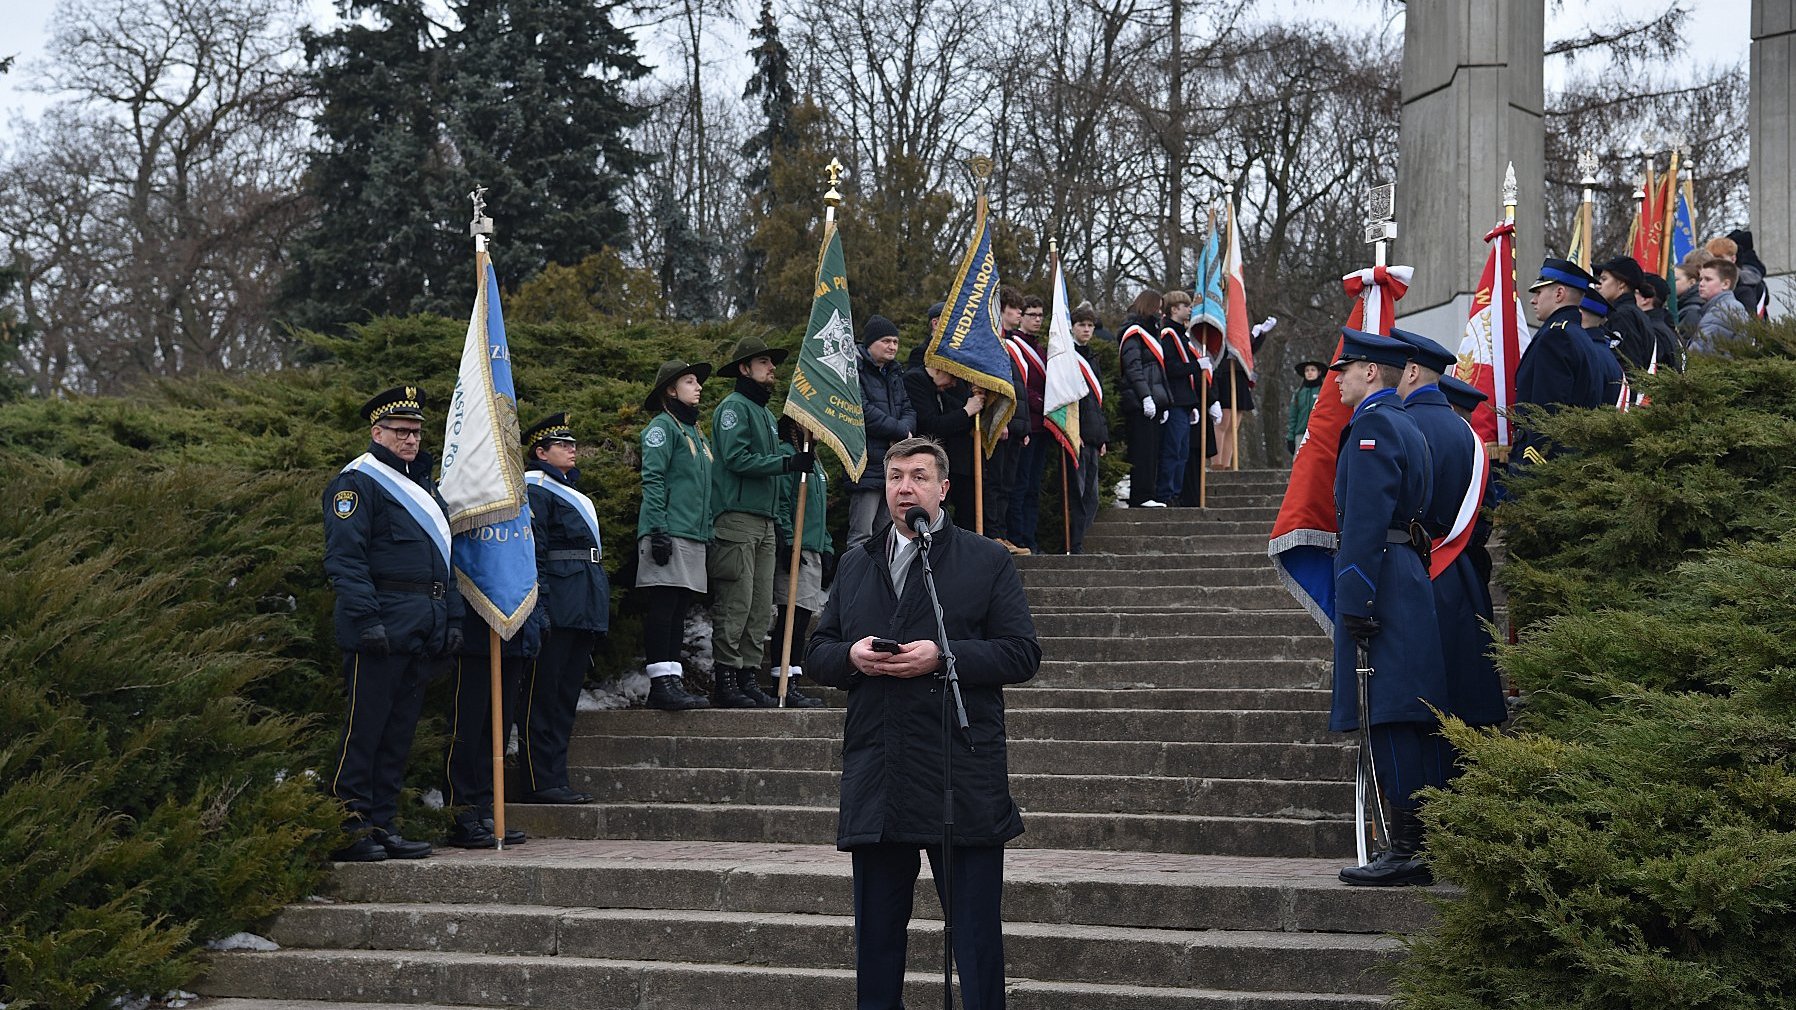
1771,176
1472,103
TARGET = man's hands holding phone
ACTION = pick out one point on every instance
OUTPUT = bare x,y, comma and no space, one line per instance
882,657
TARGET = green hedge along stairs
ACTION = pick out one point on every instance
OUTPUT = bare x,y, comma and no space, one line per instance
1186,811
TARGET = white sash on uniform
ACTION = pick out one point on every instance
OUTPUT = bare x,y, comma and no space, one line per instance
423,508
580,502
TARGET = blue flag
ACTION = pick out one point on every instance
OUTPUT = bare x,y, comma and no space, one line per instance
1209,305
966,338
494,552
1683,226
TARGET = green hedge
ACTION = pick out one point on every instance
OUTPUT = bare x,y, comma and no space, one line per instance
1633,843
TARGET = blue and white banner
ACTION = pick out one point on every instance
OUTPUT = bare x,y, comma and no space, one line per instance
483,472
966,339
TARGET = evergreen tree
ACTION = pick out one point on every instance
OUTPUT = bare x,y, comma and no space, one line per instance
688,287
390,210
784,238
14,332
539,117
772,84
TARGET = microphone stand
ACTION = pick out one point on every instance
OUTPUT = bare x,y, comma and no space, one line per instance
951,689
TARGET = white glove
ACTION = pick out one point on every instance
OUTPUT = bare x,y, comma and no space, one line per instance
1195,418
1206,364
1216,413
1265,327
1148,410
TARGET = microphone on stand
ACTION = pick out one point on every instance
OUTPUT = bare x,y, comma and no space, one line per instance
917,518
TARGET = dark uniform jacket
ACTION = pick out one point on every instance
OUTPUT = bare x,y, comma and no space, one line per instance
1094,427
1605,365
527,642
886,407
1032,387
1665,336
574,592
1461,599
892,739
373,546
1142,374
1182,368
1556,372
1383,480
1632,331
942,415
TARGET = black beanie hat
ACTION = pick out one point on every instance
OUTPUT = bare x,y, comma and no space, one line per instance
878,328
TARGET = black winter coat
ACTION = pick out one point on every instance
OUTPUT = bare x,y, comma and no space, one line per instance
370,539
576,593
1094,427
942,415
1182,368
892,740
1142,374
887,409
1629,325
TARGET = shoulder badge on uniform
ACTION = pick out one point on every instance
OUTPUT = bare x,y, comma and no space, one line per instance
655,437
726,419
344,506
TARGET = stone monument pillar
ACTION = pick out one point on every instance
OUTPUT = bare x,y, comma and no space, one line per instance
1771,175
1472,103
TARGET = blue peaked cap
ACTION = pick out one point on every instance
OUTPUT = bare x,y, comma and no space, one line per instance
1461,393
1426,352
1358,345
1594,302
1557,271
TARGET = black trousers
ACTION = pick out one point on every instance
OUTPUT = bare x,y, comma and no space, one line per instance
1082,491
1000,478
386,695
1144,457
663,622
1410,756
468,767
801,636
885,879
960,499
551,695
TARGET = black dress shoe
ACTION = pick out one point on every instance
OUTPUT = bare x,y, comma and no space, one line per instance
558,794
1400,865
398,847
471,835
363,850
513,836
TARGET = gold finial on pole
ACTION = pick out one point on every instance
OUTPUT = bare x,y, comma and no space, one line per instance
1509,193
832,196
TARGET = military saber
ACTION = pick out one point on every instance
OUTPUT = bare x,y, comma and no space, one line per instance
1367,800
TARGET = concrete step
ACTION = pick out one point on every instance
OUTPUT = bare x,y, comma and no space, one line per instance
1231,836
1244,540
1150,890
575,983
1243,960
1174,623
1195,594
1106,650
1226,510
1314,670
1236,726
1104,579
1222,555
233,1003
1059,792
1179,526
1329,761
1036,694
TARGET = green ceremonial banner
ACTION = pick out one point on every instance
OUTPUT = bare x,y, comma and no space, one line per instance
825,395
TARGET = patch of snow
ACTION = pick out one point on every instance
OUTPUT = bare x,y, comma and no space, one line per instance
1122,491
131,1002
433,799
243,941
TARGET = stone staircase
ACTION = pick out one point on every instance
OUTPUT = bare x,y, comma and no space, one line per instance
1185,811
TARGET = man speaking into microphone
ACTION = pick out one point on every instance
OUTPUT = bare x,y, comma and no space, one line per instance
878,640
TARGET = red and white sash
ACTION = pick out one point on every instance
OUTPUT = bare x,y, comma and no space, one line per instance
1448,548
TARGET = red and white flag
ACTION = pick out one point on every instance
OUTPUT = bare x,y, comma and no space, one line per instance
1239,343
1495,339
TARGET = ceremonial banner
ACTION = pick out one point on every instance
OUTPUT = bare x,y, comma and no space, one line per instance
965,340
1683,230
494,553
1495,339
1666,208
1574,250
1069,377
1209,313
1646,238
825,395
1239,332
1303,538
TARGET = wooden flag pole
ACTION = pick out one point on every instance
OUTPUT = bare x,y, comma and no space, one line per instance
1234,429
1203,440
978,475
1066,509
804,487
498,706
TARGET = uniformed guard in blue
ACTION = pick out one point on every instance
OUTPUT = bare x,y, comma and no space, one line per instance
1461,600
1465,399
386,553
1557,370
573,589
1605,360
1384,603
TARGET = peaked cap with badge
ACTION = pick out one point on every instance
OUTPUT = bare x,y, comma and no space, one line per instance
1557,271
1461,393
1425,352
1358,345
400,401
554,428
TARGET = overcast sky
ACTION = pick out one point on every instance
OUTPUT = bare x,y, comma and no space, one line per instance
1719,33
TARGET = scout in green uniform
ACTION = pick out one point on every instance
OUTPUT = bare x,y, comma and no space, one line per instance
816,568
673,527
745,497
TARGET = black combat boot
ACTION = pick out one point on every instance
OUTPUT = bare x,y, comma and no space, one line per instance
749,684
1401,864
726,692
669,695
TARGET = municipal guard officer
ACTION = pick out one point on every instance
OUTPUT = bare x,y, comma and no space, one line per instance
745,498
1384,605
574,593
386,554
1461,599
1557,370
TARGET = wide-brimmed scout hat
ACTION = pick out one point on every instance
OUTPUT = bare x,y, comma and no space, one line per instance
666,375
747,349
